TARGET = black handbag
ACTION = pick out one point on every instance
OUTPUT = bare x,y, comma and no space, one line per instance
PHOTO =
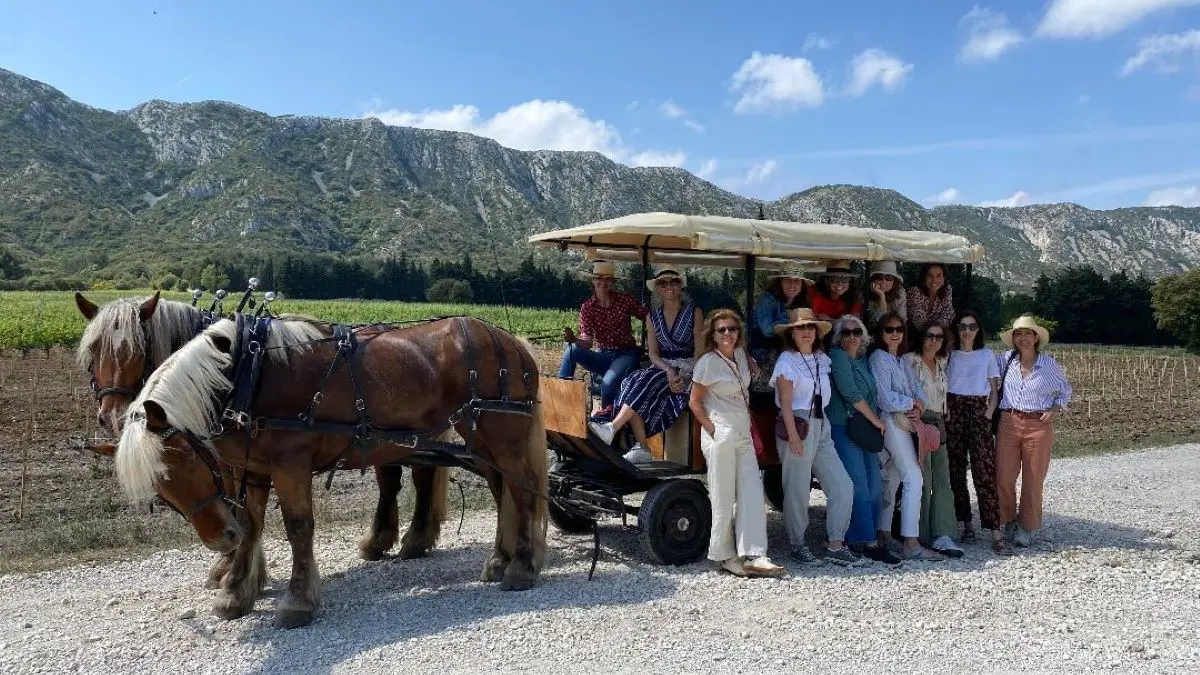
864,434
1000,394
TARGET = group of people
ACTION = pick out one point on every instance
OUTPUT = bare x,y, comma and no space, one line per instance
886,397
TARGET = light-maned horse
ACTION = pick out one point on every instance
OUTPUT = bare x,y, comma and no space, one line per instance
415,378
126,339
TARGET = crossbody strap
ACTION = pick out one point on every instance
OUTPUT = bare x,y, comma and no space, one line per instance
1003,377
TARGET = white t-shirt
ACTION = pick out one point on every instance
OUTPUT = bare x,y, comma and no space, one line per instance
800,370
970,372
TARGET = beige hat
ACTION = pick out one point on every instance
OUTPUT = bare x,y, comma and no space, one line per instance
601,268
1026,321
666,271
803,316
886,268
838,268
789,273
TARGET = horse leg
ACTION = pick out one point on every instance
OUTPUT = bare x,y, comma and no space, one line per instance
220,567
386,524
493,568
248,571
430,510
525,484
298,605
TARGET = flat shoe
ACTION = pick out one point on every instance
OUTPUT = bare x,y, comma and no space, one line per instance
1001,547
923,555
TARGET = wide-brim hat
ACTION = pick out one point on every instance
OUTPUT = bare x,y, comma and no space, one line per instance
666,271
885,268
803,316
600,268
839,268
1029,323
790,273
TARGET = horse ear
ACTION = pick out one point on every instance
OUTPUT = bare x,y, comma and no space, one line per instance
155,416
221,342
147,309
105,449
86,307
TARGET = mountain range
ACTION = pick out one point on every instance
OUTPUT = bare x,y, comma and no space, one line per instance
84,191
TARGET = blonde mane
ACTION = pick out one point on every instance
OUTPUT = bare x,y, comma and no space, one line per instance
189,386
118,326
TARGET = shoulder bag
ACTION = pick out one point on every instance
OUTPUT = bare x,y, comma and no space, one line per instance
1000,393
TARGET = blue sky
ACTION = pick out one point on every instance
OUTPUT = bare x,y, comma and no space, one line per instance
1022,101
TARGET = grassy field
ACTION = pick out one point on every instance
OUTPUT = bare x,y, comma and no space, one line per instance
59,504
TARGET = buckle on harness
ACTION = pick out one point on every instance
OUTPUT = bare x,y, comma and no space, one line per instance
360,404
254,347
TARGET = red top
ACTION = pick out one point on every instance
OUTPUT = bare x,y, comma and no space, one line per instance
608,327
823,305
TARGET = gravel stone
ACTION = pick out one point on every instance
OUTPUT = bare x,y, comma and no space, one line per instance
1113,593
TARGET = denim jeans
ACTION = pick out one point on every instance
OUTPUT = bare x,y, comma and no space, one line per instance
612,364
863,468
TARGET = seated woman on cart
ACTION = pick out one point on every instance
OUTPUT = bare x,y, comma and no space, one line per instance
603,322
787,290
651,399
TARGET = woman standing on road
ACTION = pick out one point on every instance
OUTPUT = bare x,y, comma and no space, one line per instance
719,401
1034,388
973,376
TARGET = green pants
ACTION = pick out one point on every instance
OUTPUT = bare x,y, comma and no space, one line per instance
937,498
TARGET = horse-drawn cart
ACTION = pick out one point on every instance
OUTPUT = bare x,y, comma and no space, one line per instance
592,480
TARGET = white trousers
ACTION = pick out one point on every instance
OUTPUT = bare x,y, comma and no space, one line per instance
734,485
898,464
820,458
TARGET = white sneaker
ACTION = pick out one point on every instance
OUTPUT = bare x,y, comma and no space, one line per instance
638,454
604,430
947,546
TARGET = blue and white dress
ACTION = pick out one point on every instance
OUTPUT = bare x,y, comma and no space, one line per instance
648,391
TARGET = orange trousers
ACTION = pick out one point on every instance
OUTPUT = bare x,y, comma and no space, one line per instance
1022,449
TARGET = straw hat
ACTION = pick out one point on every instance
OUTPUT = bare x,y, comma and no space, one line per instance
839,268
886,268
1026,322
666,271
804,316
789,273
600,268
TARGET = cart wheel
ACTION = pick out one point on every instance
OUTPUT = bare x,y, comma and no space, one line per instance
568,522
674,521
773,485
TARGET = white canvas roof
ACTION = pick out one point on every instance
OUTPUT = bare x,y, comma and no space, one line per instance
771,238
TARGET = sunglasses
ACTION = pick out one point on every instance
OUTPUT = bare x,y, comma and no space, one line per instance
852,332
726,329
935,337
893,329
968,327
667,282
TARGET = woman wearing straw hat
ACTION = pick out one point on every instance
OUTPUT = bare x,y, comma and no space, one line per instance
835,294
603,323
1033,389
886,292
785,290
652,399
802,392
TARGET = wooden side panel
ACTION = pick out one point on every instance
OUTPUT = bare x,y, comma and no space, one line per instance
655,444
564,403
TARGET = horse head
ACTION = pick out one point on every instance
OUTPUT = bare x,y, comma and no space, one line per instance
115,350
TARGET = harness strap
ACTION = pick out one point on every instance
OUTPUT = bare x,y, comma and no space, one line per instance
340,333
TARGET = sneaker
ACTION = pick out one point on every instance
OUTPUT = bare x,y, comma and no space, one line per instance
604,430
1022,538
968,535
639,454
881,554
762,567
733,566
947,547
802,555
843,556
604,414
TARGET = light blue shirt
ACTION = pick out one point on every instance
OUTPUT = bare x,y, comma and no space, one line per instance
895,390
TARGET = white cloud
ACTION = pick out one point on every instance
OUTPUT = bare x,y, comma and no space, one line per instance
988,36
760,171
658,158
814,41
533,125
694,126
671,110
1175,196
947,196
707,169
1099,18
1164,52
773,82
1018,198
876,67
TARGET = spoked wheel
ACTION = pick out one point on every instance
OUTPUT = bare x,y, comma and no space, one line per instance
566,521
772,477
674,521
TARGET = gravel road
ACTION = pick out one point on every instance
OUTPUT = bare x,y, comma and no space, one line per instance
1116,588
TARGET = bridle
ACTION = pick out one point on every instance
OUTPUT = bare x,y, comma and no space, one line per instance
210,459
99,392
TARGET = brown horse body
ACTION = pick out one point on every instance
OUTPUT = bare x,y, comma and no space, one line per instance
128,338
417,378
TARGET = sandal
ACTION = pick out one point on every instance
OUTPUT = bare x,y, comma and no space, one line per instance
1002,547
968,535
923,555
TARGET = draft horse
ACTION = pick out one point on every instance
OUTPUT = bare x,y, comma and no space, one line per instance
348,399
127,339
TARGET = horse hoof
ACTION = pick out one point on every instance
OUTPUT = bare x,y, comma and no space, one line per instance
409,552
228,607
516,579
293,618
493,570
371,553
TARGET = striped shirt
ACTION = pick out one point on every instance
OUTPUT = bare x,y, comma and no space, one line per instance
1045,387
895,390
